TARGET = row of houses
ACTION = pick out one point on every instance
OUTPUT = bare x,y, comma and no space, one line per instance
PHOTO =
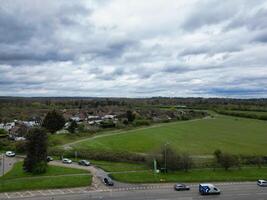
93,119
17,129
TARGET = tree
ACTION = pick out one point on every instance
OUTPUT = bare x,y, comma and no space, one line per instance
217,154
53,121
130,116
37,142
170,159
226,160
72,127
186,162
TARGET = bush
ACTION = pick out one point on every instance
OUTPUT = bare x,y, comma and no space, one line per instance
226,160
170,159
40,167
141,122
20,146
186,162
6,144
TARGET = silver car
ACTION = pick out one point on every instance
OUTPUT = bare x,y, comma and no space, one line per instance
67,161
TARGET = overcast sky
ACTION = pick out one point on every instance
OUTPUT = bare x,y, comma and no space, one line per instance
133,48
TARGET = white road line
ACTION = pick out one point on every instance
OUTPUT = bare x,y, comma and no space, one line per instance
7,196
243,194
44,194
50,191
31,193
262,193
70,191
19,194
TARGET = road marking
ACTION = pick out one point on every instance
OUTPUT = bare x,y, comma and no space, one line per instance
69,190
243,194
262,193
7,195
44,194
51,192
19,194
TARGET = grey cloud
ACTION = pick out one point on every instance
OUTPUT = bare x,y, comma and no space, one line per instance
252,21
208,12
261,37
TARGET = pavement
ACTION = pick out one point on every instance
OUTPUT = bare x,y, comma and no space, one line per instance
8,164
235,191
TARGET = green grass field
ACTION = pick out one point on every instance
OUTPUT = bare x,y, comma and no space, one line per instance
55,177
119,166
203,175
197,137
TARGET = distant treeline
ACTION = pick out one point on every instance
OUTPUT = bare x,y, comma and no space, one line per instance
91,102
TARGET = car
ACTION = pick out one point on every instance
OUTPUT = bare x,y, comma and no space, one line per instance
49,158
262,183
66,161
181,186
207,188
84,163
10,154
107,181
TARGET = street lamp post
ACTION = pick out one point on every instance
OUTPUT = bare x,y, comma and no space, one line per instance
3,165
165,145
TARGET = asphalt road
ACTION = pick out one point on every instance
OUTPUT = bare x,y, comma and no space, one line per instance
235,191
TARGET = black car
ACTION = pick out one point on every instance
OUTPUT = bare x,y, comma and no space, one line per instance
107,181
180,187
84,163
49,158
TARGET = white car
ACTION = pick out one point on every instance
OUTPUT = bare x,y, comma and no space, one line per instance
10,154
67,161
262,183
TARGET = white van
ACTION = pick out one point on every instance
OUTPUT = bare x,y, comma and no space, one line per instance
262,183
207,188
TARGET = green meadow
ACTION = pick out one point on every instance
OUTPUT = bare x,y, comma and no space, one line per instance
196,137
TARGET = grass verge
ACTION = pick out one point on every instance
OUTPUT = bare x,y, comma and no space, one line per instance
55,177
203,175
119,166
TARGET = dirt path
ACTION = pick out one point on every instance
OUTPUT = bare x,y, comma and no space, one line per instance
68,145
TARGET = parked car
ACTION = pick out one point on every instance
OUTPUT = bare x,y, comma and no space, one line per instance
84,162
49,158
107,181
262,183
181,186
207,188
67,161
10,154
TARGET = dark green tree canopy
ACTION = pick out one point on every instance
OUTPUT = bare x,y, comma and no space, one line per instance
73,126
36,147
53,121
130,116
